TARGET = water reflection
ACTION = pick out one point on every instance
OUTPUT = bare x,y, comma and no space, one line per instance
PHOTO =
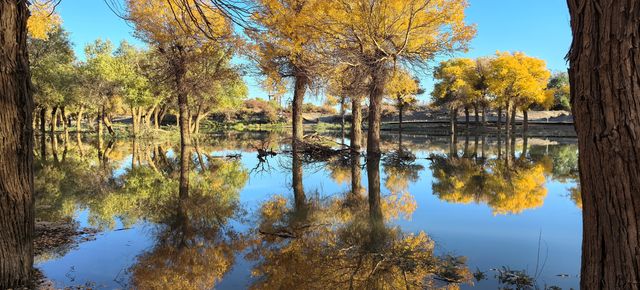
508,185
304,237
344,242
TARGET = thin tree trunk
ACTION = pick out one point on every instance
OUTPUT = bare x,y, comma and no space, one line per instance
499,122
604,76
466,117
356,125
79,120
342,113
43,120
525,120
484,116
156,120
134,125
453,115
54,121
400,115
16,161
63,117
301,82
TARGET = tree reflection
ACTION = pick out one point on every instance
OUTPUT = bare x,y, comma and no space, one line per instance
507,185
345,242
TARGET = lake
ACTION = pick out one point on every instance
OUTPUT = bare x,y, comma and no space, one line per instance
434,211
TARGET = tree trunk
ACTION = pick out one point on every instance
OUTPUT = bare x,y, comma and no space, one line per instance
300,199
453,115
514,110
342,113
484,116
356,178
79,120
525,120
134,125
604,77
300,88
466,117
54,121
43,120
499,122
180,71
16,161
63,117
400,111
156,120
378,82
356,125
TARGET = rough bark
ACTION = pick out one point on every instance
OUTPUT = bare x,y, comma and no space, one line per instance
356,125
356,175
376,91
605,99
16,148
301,82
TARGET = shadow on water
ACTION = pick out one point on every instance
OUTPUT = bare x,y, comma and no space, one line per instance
348,236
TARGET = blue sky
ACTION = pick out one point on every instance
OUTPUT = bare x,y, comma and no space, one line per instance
539,28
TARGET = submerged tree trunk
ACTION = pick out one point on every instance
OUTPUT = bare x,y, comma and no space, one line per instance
16,161
376,91
605,75
301,82
356,125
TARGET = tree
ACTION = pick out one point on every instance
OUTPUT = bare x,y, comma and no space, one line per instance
286,49
454,88
16,161
518,81
401,90
133,86
559,87
215,85
180,43
378,34
99,80
52,72
603,75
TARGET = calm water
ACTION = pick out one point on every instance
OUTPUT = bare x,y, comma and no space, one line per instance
431,211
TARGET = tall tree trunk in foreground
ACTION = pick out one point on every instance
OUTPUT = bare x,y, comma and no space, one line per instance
301,82
16,148
378,81
605,98
525,120
180,71
356,125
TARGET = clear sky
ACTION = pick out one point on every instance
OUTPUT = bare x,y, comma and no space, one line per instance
538,28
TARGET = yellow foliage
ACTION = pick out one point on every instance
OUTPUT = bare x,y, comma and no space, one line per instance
43,19
156,22
519,79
